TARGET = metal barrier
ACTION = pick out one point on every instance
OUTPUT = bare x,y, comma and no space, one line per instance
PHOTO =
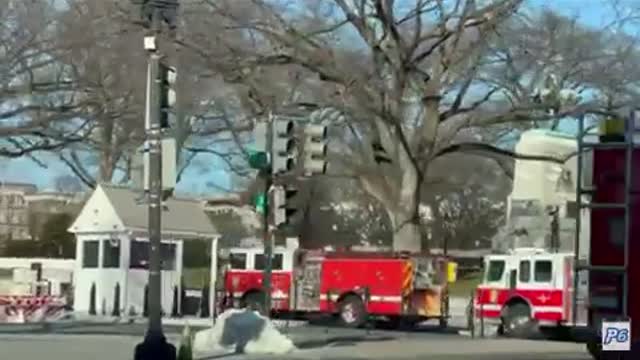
472,315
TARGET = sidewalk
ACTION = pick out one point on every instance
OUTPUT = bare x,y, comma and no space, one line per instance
441,348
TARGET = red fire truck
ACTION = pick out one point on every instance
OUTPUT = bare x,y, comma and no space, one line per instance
353,284
607,283
524,288
609,192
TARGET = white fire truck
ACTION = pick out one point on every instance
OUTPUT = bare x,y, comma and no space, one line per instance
524,288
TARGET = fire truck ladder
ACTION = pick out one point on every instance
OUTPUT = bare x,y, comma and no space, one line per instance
582,190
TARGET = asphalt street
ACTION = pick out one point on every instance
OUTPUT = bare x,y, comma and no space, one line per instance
313,343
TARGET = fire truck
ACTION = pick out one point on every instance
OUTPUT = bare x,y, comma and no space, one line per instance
525,288
606,282
356,285
608,192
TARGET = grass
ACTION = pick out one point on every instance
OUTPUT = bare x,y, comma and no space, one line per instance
465,285
196,278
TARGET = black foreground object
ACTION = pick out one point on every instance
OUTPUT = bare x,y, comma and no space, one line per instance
155,347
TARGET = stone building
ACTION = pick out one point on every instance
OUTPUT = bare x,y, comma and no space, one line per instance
14,210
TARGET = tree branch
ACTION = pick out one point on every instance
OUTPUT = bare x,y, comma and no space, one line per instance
482,148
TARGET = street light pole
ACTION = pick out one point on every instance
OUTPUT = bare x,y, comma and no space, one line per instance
154,138
155,345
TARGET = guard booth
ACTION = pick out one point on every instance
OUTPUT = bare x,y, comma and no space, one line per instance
112,252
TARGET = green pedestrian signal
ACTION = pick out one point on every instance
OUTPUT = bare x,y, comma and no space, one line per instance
260,202
258,160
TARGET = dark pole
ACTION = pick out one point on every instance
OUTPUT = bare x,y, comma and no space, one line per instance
155,346
155,197
266,231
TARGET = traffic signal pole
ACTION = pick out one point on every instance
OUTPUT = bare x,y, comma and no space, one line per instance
154,346
278,140
267,175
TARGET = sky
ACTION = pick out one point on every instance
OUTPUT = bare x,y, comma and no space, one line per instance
197,179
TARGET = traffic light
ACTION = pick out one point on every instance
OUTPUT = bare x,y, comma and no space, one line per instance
315,149
260,203
258,158
283,146
285,209
168,76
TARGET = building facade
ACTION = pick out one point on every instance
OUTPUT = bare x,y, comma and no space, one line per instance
14,210
42,205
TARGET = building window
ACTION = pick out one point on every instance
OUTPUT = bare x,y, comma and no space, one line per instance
139,258
238,261
90,254
111,253
525,271
260,262
495,270
543,271
168,256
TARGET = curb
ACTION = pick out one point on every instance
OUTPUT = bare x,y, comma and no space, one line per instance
109,328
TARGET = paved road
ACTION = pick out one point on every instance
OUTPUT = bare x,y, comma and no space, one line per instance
314,343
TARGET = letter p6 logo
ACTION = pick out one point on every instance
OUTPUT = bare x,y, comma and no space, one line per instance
616,335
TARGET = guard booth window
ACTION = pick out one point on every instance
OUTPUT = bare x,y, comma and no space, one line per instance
543,271
90,249
525,271
260,262
139,257
111,253
238,261
495,270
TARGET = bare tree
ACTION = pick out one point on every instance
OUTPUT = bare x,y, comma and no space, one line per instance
102,51
406,77
68,184
103,59
466,201
38,103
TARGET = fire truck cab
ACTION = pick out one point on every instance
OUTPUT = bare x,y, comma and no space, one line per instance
527,287
407,288
243,277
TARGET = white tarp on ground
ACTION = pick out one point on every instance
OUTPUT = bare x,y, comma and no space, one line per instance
241,331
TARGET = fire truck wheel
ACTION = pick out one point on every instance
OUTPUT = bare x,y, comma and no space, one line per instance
352,311
517,321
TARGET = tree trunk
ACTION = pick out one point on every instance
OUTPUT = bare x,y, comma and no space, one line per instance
407,234
106,166
405,215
